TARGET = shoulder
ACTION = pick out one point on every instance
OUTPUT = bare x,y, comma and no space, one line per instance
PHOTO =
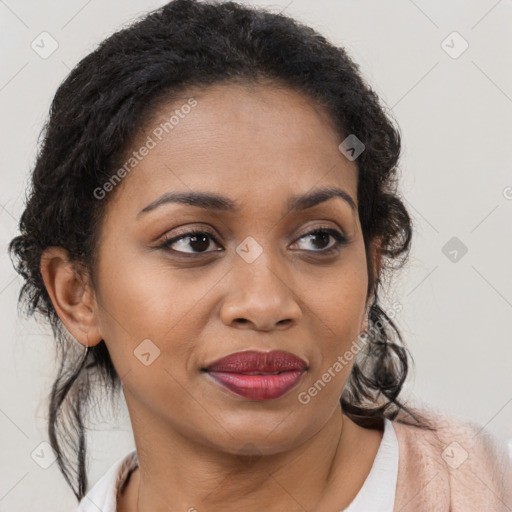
458,463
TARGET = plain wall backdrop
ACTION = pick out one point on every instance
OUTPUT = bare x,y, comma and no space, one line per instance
454,108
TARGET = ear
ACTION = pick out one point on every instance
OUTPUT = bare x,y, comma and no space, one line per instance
72,298
377,258
376,267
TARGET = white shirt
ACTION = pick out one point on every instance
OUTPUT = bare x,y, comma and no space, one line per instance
378,491
376,495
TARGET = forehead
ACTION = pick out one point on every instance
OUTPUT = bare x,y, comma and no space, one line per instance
258,144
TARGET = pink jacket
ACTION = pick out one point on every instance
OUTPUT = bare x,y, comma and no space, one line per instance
461,469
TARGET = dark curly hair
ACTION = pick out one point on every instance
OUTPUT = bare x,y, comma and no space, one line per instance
95,115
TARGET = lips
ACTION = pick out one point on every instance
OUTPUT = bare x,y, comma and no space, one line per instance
262,362
258,375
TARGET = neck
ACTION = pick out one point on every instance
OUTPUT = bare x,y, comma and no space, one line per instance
176,474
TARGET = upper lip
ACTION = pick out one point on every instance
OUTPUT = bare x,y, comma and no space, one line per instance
253,361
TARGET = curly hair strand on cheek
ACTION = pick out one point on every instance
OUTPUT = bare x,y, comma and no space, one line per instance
97,112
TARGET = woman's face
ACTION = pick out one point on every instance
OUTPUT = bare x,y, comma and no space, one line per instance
252,280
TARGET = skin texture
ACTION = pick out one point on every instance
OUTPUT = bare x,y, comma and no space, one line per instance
200,446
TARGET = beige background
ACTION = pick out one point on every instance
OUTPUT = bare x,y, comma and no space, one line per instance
455,115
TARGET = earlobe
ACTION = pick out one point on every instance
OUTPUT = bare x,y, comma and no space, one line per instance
72,298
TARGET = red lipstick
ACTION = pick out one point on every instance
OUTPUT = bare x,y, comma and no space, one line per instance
258,375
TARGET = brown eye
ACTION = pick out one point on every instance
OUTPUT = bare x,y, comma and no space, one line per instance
320,238
197,240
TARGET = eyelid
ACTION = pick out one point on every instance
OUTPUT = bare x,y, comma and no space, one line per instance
167,241
321,227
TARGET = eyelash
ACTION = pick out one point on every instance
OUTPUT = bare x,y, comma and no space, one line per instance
167,242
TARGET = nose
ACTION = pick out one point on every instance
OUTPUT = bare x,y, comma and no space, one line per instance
261,297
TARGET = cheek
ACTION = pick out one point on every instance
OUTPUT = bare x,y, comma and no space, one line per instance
143,298
339,304
146,324
336,347
338,296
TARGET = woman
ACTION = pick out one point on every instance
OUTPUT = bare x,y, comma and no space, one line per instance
212,214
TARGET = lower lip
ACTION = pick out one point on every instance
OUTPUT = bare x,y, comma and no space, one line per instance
258,387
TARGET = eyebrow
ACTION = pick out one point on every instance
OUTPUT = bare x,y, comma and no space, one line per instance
211,201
